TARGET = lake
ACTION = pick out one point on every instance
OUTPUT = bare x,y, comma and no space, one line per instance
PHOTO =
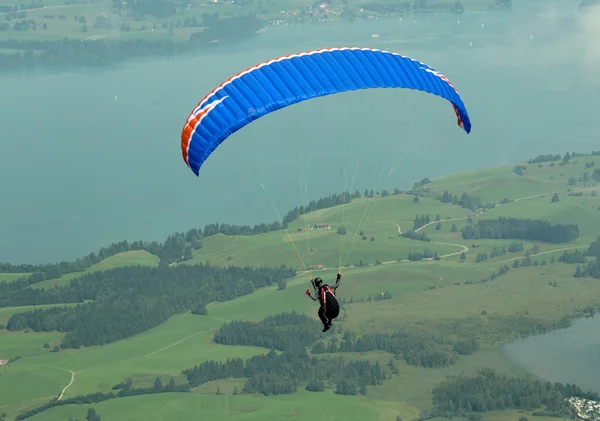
569,355
93,157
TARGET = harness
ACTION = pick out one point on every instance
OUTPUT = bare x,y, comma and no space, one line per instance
324,290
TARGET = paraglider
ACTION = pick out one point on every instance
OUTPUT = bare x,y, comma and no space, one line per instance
287,80
329,307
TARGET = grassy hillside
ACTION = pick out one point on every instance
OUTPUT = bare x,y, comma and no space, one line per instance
379,219
127,258
435,296
528,195
495,184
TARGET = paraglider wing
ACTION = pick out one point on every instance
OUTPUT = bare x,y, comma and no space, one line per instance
287,80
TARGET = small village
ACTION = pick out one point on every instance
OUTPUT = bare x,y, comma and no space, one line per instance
588,410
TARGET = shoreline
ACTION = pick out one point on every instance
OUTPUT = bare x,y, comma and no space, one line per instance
17,50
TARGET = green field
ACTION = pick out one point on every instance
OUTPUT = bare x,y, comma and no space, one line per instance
432,295
495,184
377,218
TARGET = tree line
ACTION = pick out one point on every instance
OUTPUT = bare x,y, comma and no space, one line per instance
485,390
416,348
593,268
522,229
131,300
544,158
292,331
56,270
278,374
465,200
282,332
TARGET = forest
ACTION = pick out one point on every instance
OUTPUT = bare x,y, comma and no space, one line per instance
287,331
521,229
486,390
276,374
131,300
273,373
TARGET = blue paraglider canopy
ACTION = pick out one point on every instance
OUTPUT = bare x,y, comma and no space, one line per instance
287,80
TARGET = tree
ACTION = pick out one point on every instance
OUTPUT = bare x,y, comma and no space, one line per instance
416,199
363,390
236,391
438,226
463,256
157,384
171,385
92,415
315,386
282,285
454,228
372,238
218,392
342,230
555,198
577,273
200,309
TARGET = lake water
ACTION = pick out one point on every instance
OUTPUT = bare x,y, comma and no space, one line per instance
570,355
89,158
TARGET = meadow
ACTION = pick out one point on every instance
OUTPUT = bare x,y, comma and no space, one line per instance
435,295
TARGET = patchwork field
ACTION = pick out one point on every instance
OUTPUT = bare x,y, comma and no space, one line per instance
445,295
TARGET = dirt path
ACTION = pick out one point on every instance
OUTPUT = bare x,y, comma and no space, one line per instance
181,340
530,197
62,393
442,220
464,249
539,254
